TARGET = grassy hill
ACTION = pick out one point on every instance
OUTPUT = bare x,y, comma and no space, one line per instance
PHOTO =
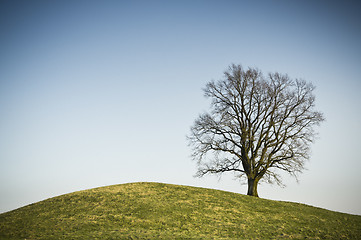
155,210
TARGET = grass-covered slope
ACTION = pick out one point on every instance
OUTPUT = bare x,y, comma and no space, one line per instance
154,210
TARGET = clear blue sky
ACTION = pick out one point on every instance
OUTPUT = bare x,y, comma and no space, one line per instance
94,93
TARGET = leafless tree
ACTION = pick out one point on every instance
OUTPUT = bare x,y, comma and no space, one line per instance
257,125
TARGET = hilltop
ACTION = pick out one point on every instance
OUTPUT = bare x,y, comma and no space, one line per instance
156,210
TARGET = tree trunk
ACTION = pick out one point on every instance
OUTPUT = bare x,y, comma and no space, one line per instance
252,187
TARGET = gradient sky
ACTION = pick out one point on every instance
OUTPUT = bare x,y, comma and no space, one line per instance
94,93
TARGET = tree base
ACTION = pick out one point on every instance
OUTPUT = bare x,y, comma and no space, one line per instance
252,187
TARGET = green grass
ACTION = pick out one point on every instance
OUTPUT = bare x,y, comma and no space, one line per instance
163,211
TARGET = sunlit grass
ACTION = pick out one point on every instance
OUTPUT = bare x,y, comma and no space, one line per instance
154,210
